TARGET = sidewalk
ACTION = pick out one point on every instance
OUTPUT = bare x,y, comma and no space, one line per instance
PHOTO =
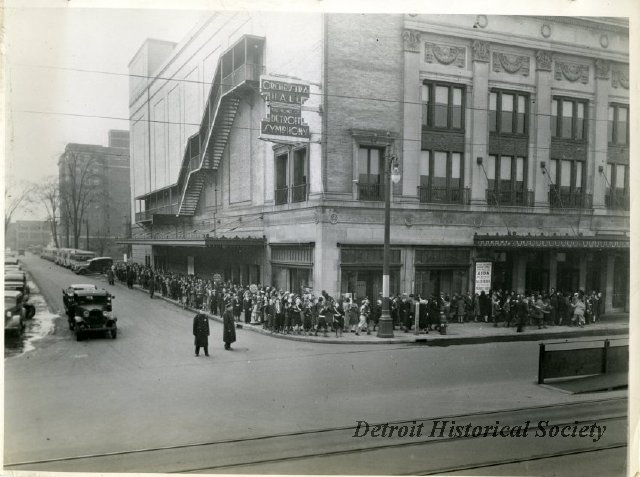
457,333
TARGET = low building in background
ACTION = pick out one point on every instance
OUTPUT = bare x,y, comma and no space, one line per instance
25,234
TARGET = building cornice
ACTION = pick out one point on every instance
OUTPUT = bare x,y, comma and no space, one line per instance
468,33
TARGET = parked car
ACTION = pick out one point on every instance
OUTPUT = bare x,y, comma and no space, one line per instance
20,251
17,281
11,259
95,265
14,312
89,310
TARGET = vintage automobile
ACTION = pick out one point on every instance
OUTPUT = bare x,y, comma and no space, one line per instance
95,265
11,259
68,293
17,281
89,310
14,312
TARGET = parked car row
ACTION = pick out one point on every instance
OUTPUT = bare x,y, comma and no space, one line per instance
82,262
17,307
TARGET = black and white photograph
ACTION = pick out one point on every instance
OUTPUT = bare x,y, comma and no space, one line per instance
320,238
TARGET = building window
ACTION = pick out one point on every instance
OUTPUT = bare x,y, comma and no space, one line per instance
370,170
291,176
567,184
508,112
618,124
507,180
442,106
441,177
617,191
568,118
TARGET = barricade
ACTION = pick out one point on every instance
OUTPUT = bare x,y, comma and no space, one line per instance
577,359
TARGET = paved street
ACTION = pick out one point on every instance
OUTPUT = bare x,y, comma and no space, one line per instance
146,390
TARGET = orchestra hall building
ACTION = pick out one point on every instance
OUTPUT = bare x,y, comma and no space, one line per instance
260,145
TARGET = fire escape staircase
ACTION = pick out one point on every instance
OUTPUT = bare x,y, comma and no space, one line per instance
205,148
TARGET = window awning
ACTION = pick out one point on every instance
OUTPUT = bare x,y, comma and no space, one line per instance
203,240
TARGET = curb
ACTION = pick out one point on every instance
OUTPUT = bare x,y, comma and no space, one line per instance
421,340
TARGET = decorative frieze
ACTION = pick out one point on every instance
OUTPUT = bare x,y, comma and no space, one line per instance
572,72
620,77
480,51
411,41
512,64
543,60
445,54
602,69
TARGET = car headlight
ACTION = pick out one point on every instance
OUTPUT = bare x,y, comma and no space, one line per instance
86,314
107,314
8,314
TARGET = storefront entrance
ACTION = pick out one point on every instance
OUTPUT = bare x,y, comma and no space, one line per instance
436,281
363,283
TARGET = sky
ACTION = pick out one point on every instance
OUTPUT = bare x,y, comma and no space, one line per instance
66,77
66,62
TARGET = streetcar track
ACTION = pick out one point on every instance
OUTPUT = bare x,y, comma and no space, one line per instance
310,432
554,455
398,445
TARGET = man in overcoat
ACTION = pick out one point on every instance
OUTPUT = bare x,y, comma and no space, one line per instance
201,333
229,325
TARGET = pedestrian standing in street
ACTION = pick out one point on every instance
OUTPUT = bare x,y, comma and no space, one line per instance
229,326
201,333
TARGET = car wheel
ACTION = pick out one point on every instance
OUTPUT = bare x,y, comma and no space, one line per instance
114,333
79,335
81,272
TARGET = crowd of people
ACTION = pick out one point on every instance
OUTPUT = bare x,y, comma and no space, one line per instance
303,312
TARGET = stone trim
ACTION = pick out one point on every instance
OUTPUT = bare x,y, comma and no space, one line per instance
512,64
543,60
445,54
411,40
602,69
572,72
480,51
620,76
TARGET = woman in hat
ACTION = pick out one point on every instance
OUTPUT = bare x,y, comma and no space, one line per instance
229,326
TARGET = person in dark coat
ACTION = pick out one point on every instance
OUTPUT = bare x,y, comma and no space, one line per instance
229,325
201,333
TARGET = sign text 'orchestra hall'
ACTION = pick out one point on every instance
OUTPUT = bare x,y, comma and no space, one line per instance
267,162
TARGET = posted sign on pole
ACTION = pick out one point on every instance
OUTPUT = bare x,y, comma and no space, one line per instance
483,277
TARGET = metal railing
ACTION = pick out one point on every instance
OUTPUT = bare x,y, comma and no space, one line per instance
443,195
509,197
569,200
296,193
147,215
617,201
371,192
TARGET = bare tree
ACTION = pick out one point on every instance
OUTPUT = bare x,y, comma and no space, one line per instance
50,197
76,192
16,196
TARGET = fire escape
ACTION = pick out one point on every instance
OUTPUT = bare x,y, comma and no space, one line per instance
237,74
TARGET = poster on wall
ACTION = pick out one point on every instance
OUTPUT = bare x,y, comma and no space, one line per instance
483,277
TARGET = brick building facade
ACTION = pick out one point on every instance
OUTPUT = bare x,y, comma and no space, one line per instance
103,172
511,134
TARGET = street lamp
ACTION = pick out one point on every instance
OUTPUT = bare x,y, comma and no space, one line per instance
392,175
